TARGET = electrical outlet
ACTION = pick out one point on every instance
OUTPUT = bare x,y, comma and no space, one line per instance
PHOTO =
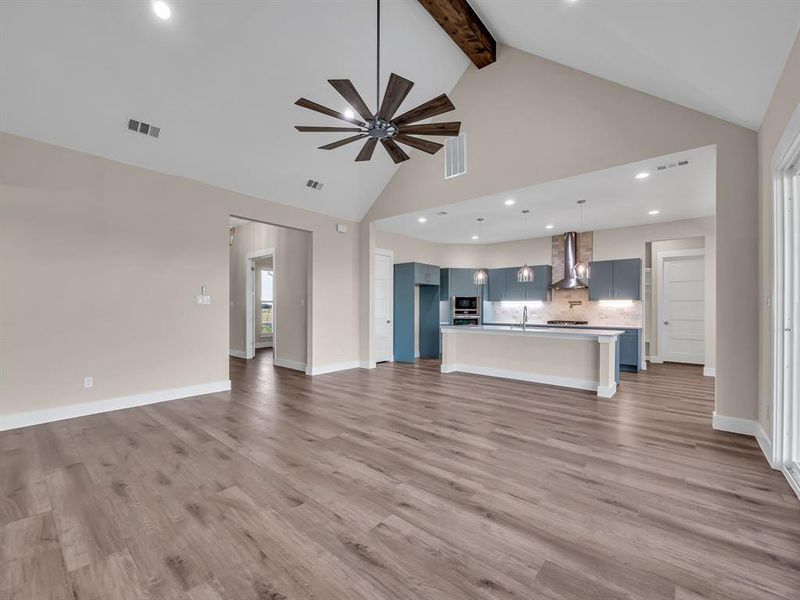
88,382
204,299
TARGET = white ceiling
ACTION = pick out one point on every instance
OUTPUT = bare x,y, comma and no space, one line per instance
614,198
721,57
220,79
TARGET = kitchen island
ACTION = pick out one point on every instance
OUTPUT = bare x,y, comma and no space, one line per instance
585,359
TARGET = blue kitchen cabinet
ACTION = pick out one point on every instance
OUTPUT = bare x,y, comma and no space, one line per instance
458,283
426,274
616,279
444,285
407,278
496,288
630,349
503,284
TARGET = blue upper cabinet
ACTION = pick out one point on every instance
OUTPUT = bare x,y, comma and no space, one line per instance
503,284
616,279
426,274
458,282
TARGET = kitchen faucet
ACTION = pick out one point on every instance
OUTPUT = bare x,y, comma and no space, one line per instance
524,318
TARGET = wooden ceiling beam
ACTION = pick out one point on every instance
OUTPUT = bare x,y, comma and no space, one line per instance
466,29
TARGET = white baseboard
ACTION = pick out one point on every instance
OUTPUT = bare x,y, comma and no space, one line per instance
367,364
567,382
237,353
416,354
333,367
735,424
289,364
70,411
710,371
794,480
263,344
656,360
766,445
607,391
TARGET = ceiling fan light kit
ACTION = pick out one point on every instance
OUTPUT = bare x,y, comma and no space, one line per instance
383,126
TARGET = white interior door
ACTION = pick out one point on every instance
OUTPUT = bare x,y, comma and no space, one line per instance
383,307
683,310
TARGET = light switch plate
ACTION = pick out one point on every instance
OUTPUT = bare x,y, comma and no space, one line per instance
88,382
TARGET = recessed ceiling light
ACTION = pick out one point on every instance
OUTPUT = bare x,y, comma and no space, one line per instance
509,202
654,212
162,9
349,113
548,226
474,237
642,175
422,220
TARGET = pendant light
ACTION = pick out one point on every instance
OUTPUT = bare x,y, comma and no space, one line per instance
525,274
581,269
480,277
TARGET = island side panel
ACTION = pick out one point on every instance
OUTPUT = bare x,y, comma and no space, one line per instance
567,362
607,367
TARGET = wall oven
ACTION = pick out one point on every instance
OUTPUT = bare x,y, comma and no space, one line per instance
465,310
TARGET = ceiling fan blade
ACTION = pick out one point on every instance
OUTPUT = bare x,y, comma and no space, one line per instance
348,91
450,128
419,143
367,149
395,151
393,97
349,140
315,128
437,106
305,103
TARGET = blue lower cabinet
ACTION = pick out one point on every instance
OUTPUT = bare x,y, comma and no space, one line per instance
630,350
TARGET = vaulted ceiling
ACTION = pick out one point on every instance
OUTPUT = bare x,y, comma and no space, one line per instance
220,78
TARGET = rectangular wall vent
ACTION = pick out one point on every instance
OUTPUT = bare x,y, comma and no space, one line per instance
455,156
143,128
672,165
314,185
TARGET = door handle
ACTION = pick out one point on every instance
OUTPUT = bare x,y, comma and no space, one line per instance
666,322
388,321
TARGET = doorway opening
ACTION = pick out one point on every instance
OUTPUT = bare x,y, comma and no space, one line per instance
786,312
270,275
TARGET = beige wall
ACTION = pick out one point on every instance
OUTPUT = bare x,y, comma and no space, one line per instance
784,102
291,265
100,266
552,122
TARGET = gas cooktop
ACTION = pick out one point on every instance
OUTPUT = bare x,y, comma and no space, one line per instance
563,322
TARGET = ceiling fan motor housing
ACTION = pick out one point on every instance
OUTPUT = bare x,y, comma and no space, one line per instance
381,129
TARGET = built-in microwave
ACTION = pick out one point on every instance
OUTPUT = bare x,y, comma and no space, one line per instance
464,303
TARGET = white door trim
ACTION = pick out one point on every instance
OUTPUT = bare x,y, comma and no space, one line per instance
660,256
784,301
390,254
249,299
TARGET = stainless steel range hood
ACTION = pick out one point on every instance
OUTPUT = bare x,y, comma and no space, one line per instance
570,282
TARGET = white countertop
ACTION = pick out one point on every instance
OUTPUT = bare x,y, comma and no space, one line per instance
591,325
561,332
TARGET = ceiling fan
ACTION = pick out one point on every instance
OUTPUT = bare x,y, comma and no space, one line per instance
383,126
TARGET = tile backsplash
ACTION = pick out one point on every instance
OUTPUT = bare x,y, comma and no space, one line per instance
570,305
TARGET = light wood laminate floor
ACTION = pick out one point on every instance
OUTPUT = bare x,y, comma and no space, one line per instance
398,483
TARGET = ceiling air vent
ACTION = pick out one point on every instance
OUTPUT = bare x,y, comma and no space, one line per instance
314,185
455,156
143,128
672,165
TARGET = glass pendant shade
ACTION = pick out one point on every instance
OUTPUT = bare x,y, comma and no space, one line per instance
581,270
480,277
525,274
